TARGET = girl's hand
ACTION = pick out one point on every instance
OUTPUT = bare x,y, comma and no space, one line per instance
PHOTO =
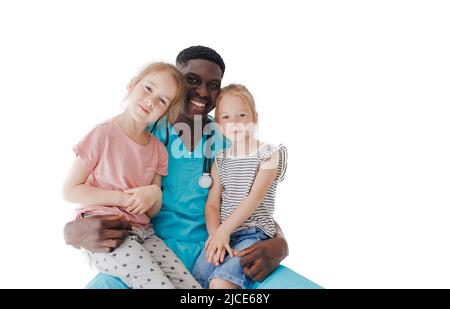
217,245
219,256
143,198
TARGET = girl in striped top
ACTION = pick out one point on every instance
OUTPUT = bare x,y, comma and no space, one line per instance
241,199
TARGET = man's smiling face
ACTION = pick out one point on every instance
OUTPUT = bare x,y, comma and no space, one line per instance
202,80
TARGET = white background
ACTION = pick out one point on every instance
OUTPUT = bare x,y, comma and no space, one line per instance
357,90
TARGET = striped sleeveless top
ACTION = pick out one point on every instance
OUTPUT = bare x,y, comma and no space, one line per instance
237,175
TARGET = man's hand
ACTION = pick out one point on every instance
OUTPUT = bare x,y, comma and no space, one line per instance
143,198
262,258
97,233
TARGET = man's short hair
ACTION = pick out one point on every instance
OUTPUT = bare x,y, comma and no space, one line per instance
200,52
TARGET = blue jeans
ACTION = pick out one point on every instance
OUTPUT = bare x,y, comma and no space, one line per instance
230,269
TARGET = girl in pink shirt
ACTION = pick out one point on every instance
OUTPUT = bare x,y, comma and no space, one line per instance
118,171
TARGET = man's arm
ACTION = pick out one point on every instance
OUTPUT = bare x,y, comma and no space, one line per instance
279,234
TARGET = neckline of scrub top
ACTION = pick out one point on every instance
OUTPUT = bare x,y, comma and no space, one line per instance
200,143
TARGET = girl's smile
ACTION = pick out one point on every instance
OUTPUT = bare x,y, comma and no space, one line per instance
145,110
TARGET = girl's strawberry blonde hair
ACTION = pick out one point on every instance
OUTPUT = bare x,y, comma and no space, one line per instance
241,92
175,106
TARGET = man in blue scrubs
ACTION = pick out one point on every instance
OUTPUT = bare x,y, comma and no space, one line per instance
181,221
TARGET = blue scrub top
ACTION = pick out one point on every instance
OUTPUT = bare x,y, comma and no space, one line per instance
181,221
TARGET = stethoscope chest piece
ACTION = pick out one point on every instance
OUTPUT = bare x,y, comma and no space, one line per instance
205,181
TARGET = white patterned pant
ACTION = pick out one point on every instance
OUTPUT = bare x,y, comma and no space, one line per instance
143,261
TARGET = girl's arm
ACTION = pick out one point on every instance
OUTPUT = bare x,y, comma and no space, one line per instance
264,178
156,207
212,209
77,191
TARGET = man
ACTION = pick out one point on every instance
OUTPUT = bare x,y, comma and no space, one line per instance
181,221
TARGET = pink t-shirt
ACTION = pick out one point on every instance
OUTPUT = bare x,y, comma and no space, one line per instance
116,162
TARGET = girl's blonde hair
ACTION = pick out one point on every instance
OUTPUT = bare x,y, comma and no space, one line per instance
175,106
241,92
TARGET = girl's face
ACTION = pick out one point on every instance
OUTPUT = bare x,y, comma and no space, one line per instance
235,118
150,98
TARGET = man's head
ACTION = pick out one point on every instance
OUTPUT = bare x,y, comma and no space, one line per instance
203,69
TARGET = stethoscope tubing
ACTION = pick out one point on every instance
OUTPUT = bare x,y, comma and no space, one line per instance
207,161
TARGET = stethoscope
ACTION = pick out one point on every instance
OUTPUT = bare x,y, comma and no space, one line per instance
205,180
